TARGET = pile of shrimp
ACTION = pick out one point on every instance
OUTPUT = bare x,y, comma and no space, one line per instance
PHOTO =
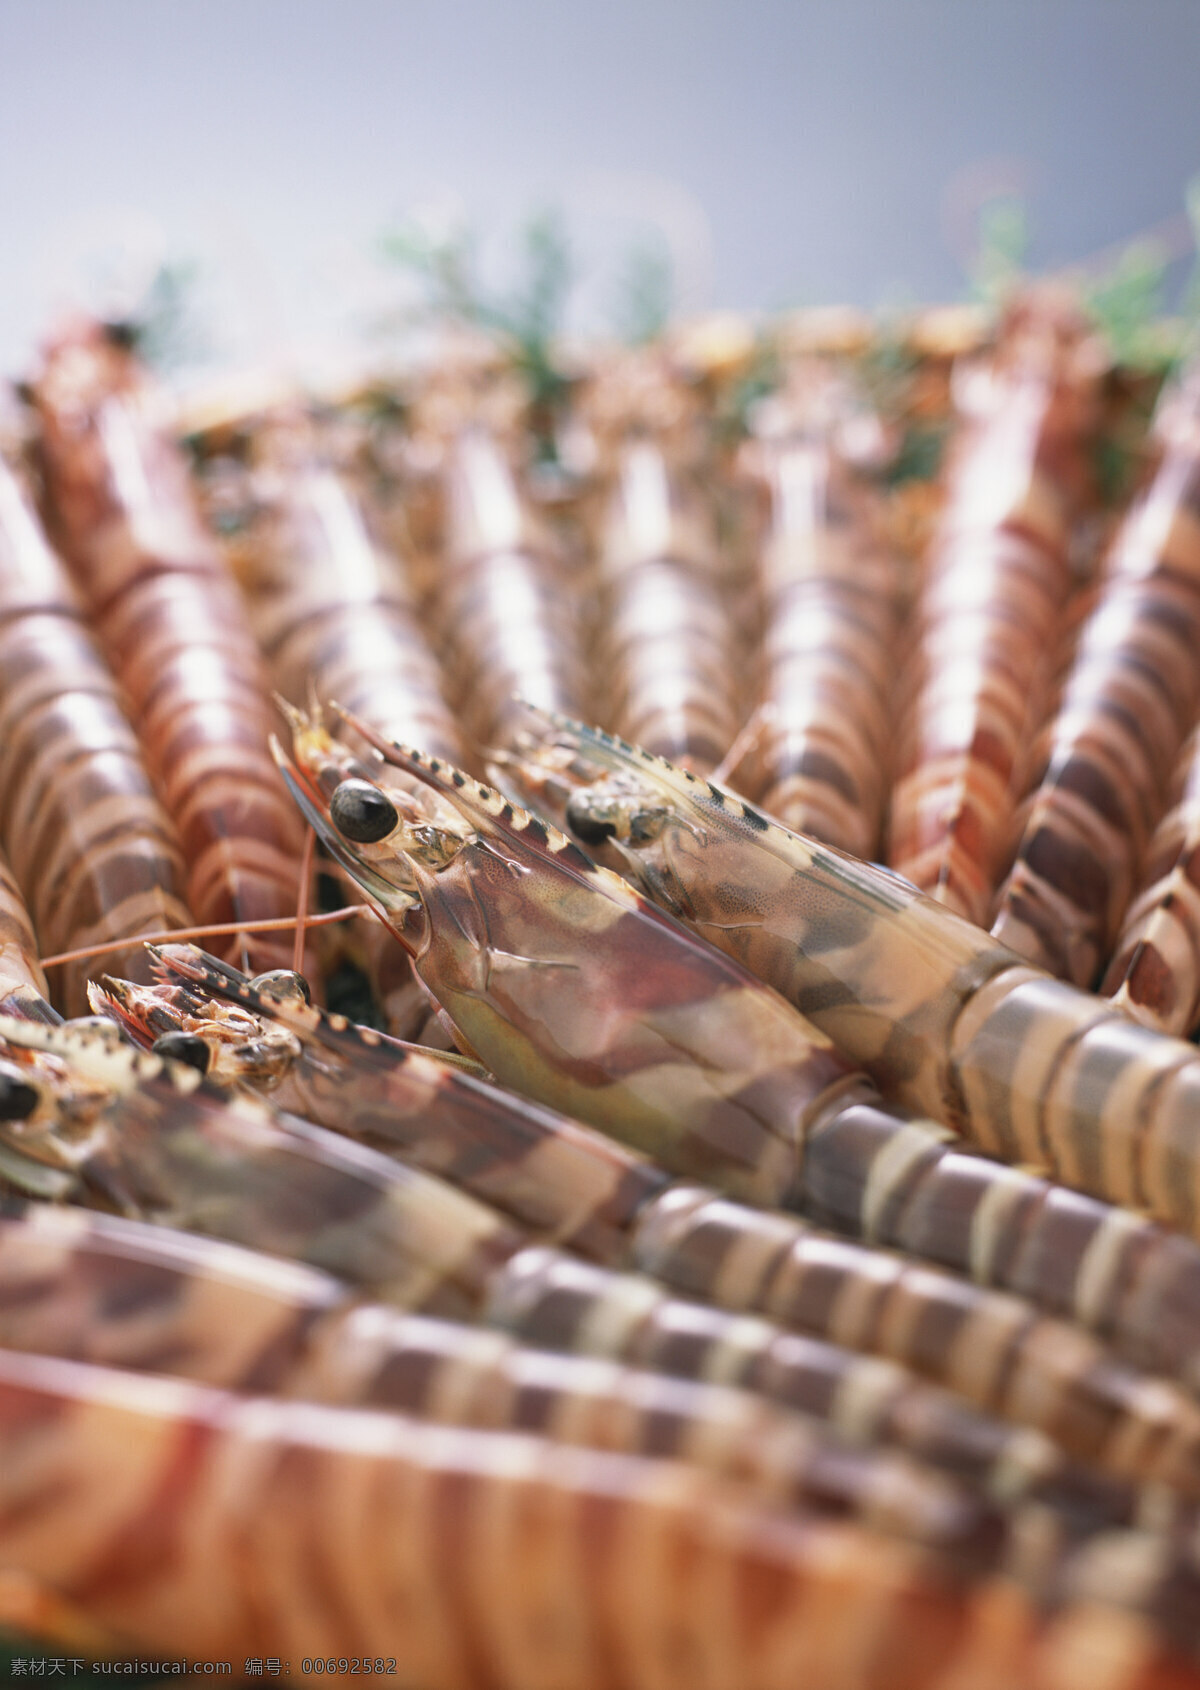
593,1071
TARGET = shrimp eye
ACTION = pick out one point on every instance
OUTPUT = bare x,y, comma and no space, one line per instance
585,824
183,1047
18,1099
280,984
361,812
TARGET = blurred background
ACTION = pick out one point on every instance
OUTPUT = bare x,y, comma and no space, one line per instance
697,153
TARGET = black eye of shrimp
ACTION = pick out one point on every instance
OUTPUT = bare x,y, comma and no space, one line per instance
360,812
585,824
183,1047
18,1098
281,984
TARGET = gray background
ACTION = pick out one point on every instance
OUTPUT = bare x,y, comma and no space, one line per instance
823,149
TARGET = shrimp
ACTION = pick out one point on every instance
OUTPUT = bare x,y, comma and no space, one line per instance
1155,971
666,648
580,1190
1129,701
831,588
507,626
504,893
170,622
329,607
945,1018
171,1148
88,843
92,1290
180,1518
994,594
90,1287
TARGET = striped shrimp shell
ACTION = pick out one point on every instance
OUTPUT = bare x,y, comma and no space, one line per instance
988,617
89,845
245,1526
831,589
1128,703
168,617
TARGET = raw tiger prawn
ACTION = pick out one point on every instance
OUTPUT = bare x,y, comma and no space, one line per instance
945,1018
163,1144
1127,706
169,620
512,896
668,649
585,999
832,592
472,1559
90,847
994,592
181,1519
105,1293
505,614
330,607
90,1287
586,1193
